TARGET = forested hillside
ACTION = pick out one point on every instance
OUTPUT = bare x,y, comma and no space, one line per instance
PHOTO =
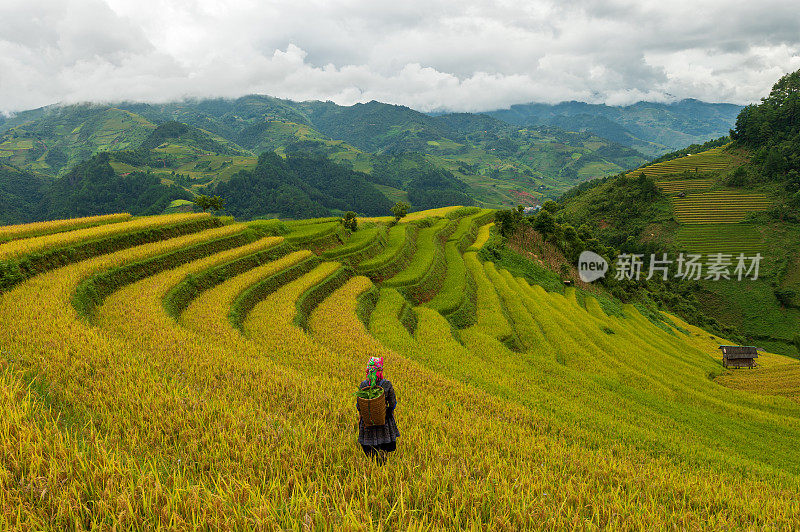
771,130
92,187
404,155
20,195
503,164
298,187
50,140
731,196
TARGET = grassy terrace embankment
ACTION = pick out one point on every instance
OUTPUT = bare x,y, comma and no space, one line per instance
456,298
424,274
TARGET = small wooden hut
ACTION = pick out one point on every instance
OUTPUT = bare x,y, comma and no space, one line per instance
739,356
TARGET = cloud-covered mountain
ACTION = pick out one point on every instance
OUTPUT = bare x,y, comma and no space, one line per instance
431,56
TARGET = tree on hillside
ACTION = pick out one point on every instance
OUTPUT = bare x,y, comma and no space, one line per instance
205,202
349,221
551,206
544,223
508,220
399,210
772,128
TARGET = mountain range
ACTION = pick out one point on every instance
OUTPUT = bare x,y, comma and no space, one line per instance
651,128
521,155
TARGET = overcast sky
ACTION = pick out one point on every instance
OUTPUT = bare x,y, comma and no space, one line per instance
430,55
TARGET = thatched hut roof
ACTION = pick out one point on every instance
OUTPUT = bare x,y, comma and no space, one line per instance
734,352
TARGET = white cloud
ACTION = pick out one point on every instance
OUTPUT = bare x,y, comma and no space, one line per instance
432,55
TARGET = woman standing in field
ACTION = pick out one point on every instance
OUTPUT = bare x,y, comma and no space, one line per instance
380,440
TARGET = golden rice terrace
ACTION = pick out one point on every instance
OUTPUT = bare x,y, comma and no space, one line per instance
189,372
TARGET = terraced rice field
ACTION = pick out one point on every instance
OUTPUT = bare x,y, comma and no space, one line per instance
316,236
711,160
424,274
364,243
13,232
721,206
721,238
29,246
484,233
774,375
399,247
673,186
456,299
414,216
186,374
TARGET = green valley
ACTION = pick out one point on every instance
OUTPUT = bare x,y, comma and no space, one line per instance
196,144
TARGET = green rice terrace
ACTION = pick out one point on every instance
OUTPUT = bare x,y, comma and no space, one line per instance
673,186
698,196
722,238
708,217
719,206
712,160
192,372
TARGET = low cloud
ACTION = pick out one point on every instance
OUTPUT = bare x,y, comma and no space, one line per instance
432,55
